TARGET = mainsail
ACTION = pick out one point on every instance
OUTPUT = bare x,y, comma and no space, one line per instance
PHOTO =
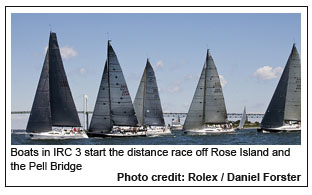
122,110
215,111
113,105
63,109
243,120
147,102
208,106
53,104
285,104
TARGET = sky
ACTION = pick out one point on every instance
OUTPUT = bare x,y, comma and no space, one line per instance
249,50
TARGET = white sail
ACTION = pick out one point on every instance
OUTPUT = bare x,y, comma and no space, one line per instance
243,120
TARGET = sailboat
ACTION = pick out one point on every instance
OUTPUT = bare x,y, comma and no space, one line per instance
147,104
207,113
53,114
113,114
284,110
176,124
243,120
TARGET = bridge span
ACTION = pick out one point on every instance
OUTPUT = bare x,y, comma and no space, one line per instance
171,114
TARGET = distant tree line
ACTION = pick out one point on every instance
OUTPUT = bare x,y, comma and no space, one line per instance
247,123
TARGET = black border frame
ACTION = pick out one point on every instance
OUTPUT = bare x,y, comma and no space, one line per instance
5,60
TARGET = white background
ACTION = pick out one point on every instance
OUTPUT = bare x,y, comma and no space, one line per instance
102,170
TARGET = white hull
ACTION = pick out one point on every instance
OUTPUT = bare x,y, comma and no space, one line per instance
157,131
119,131
126,134
176,127
57,135
208,131
283,128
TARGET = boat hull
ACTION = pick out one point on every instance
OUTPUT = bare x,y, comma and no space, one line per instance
56,135
209,131
284,128
176,128
118,134
158,131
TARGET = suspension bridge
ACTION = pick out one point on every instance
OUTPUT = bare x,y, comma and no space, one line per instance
169,114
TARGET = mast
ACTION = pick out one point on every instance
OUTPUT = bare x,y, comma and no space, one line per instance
85,110
109,92
204,100
144,94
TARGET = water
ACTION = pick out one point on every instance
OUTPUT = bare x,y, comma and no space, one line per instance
241,137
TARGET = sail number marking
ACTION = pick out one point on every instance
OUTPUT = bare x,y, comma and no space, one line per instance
124,90
63,84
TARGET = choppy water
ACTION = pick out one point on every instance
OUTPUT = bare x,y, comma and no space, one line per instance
241,137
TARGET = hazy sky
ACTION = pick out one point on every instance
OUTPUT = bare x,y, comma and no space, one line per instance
250,52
